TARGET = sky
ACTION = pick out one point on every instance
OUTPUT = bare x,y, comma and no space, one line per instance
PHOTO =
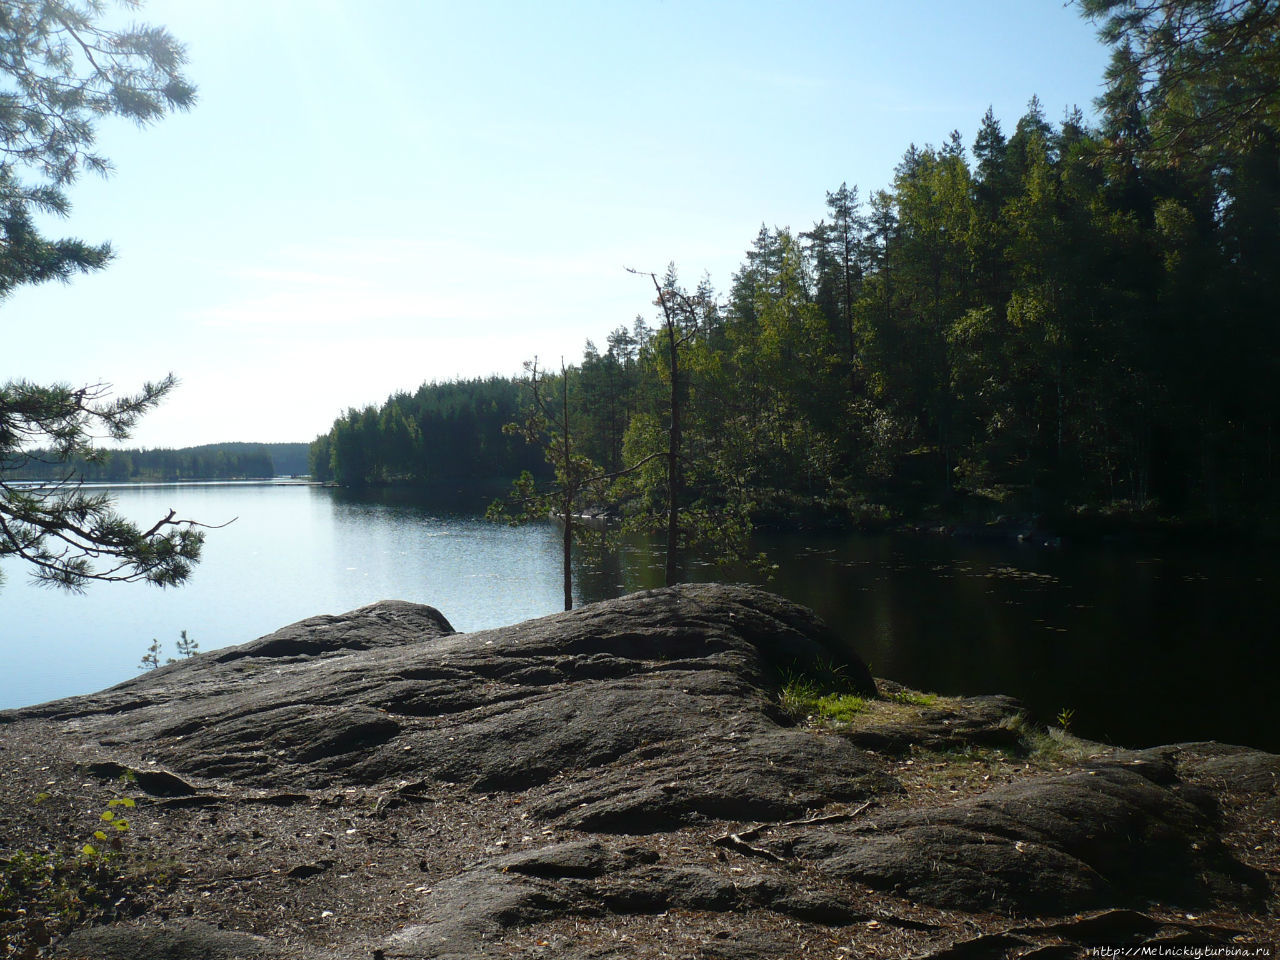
371,195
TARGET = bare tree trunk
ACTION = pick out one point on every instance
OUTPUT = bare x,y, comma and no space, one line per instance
674,342
847,270
570,489
673,460
568,557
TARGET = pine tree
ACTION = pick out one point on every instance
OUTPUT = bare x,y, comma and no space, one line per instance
843,256
63,70
1206,73
551,422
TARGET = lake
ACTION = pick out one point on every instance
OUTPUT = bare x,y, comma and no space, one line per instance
1142,647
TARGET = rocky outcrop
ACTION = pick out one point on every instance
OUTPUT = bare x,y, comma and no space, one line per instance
621,780
681,678
1080,841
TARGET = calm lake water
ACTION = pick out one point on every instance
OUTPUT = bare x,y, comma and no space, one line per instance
1144,647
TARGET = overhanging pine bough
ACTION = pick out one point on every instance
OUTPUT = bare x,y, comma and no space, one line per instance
61,69
69,535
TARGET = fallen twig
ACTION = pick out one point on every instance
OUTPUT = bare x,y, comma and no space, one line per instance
735,842
755,831
738,841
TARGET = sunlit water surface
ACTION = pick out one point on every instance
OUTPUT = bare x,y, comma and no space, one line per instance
291,552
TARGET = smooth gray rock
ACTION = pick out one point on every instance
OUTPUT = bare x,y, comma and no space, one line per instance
179,941
389,693
435,793
1099,837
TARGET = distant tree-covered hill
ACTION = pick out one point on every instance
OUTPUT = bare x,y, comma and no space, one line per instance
442,434
211,461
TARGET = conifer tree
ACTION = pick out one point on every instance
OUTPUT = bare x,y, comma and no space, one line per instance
551,423
63,70
1206,73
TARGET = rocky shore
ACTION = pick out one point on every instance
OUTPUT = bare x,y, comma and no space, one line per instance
629,780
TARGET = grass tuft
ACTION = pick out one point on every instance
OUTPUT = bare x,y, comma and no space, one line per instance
909,698
804,699
840,707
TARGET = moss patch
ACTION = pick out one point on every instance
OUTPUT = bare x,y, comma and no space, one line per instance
824,698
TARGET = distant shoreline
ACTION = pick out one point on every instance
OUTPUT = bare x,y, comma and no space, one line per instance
287,481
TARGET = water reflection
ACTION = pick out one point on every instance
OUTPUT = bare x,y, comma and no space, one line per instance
1145,648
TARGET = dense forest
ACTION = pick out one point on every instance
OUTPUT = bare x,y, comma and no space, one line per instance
213,461
445,434
1063,319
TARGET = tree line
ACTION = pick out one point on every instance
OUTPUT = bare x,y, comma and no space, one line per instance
443,434
214,461
1042,321
1067,319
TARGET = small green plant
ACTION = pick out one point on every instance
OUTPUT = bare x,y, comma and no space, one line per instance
799,697
43,894
822,690
37,890
111,842
151,659
1065,716
911,699
840,707
187,647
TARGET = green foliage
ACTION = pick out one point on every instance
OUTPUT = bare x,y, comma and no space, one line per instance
682,472
605,398
799,697
1069,319
41,894
46,893
1202,72
67,534
109,842
69,70
840,707
822,693
577,482
151,659
214,461
819,691
442,434
187,647
803,699
63,70
1065,716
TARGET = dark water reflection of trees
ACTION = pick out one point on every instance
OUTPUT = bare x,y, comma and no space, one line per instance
1144,647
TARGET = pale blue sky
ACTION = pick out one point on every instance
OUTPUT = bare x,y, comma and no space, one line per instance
369,195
